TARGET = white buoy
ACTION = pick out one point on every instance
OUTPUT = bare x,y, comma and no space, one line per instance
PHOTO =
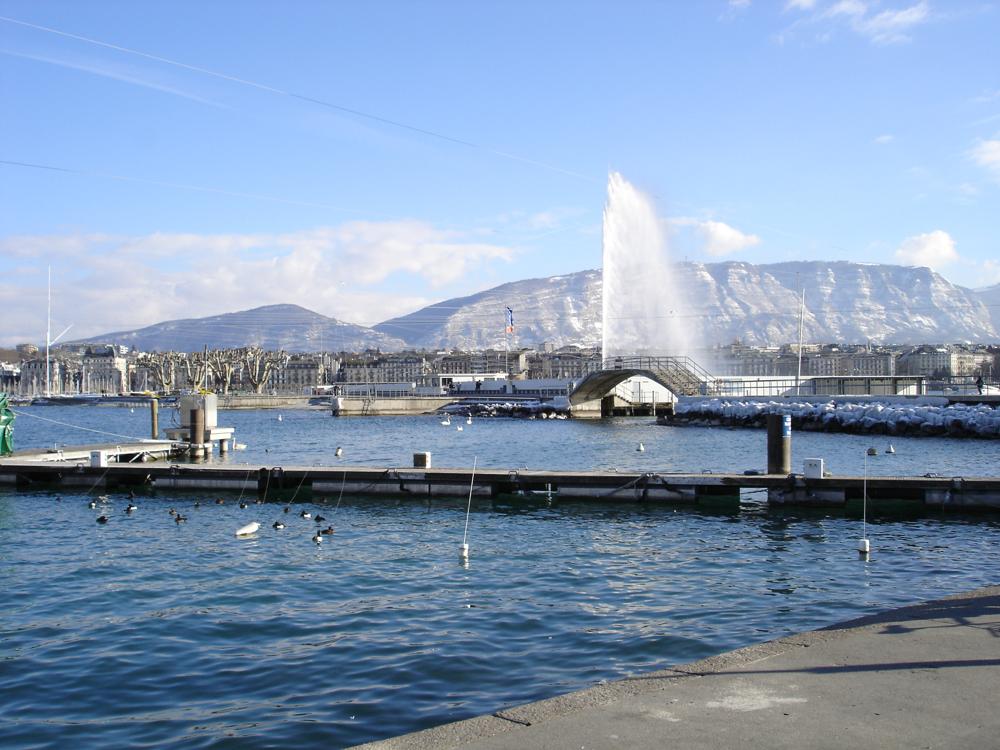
641,448
463,551
863,547
250,528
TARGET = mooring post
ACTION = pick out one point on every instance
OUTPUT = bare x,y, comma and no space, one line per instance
197,436
779,443
154,418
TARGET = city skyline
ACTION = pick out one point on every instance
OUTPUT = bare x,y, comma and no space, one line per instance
184,161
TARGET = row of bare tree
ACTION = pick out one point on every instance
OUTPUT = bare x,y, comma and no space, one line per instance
213,368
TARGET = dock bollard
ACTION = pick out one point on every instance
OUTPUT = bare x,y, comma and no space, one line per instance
779,444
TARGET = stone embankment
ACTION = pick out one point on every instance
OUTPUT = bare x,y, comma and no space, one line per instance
927,417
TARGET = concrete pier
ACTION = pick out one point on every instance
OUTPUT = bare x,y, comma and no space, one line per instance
920,676
714,490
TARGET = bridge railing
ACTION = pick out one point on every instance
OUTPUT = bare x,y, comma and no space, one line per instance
683,372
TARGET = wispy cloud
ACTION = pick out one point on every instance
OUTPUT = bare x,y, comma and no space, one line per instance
119,282
933,250
987,155
889,26
884,139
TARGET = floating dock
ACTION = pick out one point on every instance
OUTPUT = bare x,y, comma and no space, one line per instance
705,489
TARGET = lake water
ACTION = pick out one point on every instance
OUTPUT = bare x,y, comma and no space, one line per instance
145,631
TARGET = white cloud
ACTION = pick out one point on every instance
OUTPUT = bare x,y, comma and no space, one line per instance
718,238
933,249
739,4
884,139
351,271
987,155
889,26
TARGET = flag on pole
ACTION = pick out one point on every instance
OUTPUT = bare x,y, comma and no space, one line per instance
510,320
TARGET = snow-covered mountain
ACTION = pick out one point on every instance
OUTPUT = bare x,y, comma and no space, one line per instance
273,327
758,304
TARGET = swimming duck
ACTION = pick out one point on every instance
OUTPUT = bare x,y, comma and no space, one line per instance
179,518
317,537
92,504
339,452
242,504
306,514
278,525
102,519
327,530
641,448
130,508
319,519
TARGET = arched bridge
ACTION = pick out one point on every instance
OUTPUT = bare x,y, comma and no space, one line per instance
680,375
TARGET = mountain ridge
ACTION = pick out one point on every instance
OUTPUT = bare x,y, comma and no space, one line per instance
845,302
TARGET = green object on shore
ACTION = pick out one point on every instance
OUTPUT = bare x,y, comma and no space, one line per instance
6,427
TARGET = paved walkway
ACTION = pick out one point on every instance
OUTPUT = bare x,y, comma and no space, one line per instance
926,676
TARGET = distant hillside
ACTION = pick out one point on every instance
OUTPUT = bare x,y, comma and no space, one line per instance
758,304
273,327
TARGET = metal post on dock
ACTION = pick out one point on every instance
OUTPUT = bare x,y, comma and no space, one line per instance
779,444
197,437
154,418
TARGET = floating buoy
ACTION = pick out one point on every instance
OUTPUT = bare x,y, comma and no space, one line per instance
339,452
863,547
250,528
641,448
463,552
890,449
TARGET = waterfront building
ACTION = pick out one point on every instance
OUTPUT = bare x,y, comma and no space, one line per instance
104,370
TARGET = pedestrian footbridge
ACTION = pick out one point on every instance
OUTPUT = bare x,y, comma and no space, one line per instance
682,376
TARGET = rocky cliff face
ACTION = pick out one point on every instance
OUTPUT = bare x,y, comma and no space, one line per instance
759,304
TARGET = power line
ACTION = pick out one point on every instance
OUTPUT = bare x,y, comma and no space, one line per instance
177,185
301,97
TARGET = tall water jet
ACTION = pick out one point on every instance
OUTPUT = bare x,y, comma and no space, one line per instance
643,306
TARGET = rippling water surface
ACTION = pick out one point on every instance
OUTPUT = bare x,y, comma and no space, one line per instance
144,631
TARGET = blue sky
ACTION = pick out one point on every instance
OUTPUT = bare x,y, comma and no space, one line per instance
184,159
